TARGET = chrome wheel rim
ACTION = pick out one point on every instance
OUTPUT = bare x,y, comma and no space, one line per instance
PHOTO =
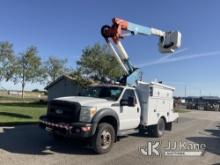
106,139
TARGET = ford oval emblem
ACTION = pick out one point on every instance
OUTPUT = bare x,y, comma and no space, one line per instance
59,111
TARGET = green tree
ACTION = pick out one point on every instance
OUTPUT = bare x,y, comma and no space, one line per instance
7,61
98,64
80,80
55,67
29,67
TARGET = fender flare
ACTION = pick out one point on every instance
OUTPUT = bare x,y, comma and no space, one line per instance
101,114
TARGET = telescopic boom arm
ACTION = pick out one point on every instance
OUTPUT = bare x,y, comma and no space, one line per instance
168,41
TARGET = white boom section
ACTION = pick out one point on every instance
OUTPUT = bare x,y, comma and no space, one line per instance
118,57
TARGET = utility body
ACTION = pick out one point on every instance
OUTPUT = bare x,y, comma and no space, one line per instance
105,112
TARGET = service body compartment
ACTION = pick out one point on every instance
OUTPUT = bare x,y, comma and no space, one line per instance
156,101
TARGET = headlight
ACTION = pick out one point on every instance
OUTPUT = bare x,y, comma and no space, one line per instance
87,113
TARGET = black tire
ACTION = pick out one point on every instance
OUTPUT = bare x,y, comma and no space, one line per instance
169,126
159,129
104,138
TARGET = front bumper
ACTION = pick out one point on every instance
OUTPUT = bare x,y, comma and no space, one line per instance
79,129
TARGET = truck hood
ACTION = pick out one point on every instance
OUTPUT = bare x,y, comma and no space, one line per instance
87,101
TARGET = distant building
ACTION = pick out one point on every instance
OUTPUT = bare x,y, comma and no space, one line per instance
63,86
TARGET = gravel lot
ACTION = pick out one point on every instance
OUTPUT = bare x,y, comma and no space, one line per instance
25,145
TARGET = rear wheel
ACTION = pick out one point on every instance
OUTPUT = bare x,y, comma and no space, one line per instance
104,138
159,129
168,126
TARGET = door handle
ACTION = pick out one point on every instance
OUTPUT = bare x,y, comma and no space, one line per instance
137,109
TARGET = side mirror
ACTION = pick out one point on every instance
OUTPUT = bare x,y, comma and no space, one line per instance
124,102
129,102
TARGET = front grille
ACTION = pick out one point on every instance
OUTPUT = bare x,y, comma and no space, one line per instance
63,111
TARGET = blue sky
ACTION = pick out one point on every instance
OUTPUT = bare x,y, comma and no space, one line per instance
63,28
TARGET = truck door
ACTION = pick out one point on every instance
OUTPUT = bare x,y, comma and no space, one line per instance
129,113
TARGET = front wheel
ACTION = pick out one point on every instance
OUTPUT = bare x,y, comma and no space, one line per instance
104,138
159,129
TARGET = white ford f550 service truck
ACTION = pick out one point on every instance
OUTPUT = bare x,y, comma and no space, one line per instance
106,112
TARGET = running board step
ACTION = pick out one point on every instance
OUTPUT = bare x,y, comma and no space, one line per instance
127,132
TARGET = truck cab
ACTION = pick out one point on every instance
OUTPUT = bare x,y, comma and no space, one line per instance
98,101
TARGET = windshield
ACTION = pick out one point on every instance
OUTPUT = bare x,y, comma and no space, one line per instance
111,93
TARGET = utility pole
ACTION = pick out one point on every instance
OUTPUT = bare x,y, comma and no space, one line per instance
185,90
